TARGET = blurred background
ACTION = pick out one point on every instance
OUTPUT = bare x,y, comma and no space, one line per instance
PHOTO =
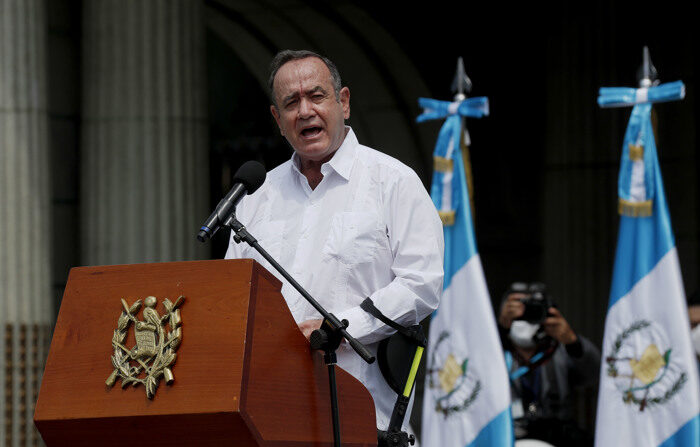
122,122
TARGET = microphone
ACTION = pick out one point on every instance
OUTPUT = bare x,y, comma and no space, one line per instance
249,177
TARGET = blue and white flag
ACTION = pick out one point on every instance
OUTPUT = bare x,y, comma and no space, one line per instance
467,394
649,393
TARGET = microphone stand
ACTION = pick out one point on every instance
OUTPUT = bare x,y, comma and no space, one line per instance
332,330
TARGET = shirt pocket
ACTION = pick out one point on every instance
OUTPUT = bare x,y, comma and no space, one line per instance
355,237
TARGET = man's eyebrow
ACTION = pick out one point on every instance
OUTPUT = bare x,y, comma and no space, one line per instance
295,95
290,97
316,89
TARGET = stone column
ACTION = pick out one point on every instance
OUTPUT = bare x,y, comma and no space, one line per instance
25,298
144,153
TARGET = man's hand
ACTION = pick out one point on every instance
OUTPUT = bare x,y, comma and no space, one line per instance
511,309
308,326
558,328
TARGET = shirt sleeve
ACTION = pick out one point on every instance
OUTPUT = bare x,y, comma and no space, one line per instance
586,367
416,239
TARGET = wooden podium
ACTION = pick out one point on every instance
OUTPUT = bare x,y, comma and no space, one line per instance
244,373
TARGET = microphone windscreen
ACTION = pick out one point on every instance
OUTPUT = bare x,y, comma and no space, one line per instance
251,174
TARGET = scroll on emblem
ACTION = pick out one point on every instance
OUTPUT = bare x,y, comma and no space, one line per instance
157,339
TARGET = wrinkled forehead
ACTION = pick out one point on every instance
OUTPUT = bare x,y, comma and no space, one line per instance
301,75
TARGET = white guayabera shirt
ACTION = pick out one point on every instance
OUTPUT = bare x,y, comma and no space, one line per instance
369,229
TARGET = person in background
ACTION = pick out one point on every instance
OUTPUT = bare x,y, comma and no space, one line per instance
694,316
547,359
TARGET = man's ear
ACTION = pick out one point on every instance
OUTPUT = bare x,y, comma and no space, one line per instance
276,116
345,101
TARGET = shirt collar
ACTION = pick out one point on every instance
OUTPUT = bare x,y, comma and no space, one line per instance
342,159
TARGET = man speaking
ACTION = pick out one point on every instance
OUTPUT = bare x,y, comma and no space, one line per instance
346,221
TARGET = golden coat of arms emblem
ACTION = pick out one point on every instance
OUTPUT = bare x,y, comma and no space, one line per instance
153,356
643,365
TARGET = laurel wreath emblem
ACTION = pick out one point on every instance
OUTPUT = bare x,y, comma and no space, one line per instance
629,395
148,365
442,403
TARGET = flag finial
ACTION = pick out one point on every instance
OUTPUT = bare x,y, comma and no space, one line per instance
461,84
647,74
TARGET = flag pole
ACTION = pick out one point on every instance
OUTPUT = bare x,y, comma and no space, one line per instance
467,395
461,85
646,294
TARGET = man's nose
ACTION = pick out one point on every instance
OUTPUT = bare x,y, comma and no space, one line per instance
306,109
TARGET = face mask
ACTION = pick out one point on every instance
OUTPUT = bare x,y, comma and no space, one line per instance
695,336
522,333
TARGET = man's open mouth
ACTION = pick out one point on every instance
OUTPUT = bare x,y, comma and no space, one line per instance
310,132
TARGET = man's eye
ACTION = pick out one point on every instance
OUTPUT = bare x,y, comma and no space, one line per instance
291,103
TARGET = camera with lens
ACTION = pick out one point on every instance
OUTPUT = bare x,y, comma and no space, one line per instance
537,302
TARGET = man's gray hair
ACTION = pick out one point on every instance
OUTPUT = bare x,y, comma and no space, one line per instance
285,56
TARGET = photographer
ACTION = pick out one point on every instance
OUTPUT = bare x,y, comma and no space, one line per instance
547,359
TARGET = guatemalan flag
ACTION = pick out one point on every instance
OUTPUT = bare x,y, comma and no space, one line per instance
649,393
467,397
